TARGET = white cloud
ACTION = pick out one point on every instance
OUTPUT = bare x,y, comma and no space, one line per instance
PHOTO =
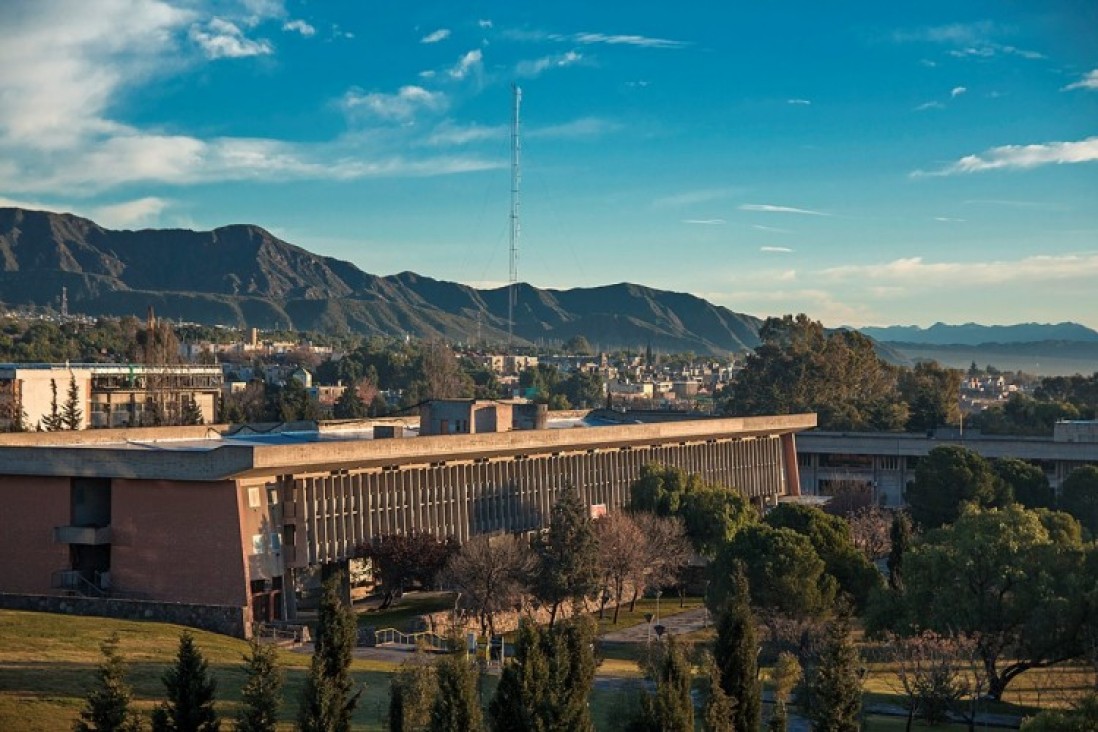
773,229
619,40
578,128
947,219
769,208
536,67
220,38
402,106
484,23
802,102
1021,157
957,91
958,33
447,133
914,271
1089,81
776,250
691,198
929,105
434,37
300,26
467,64
141,212
704,222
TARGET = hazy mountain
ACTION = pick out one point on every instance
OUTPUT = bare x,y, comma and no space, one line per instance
973,334
243,275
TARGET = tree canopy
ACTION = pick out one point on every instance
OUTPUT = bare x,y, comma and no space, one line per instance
947,478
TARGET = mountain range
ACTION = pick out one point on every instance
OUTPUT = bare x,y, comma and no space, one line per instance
242,275
972,334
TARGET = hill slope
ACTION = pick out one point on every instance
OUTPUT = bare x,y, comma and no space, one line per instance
974,334
243,275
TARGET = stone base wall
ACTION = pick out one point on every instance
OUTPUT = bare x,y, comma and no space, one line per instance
216,618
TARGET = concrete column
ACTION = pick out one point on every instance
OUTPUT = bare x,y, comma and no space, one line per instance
792,474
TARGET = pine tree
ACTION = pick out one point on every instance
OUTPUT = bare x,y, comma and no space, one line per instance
52,422
671,709
567,555
719,707
457,706
412,695
572,673
326,700
836,686
191,413
190,704
71,413
523,691
349,405
107,706
260,696
736,654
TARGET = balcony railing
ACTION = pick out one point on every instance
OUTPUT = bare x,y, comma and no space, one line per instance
94,535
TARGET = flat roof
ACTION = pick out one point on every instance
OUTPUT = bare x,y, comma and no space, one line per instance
207,453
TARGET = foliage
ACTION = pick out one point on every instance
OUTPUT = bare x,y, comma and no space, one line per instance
412,693
832,539
1013,584
622,555
71,413
52,422
584,389
1079,391
1079,497
522,698
1024,415
1082,718
327,700
929,671
661,489
572,673
947,478
192,413
719,706
670,709
578,345
1026,482
401,560
438,375
932,394
665,550
456,706
799,367
835,684
870,530
107,705
567,555
261,695
190,690
491,574
786,675
900,538
736,652
784,572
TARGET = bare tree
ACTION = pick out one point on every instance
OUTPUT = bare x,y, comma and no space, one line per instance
490,573
622,555
667,551
936,676
870,529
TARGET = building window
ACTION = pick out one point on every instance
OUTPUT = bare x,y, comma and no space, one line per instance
889,462
253,498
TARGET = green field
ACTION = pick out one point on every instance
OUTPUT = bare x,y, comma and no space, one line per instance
47,662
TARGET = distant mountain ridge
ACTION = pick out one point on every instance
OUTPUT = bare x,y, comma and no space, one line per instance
974,334
243,275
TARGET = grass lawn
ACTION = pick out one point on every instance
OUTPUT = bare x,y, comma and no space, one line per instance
399,615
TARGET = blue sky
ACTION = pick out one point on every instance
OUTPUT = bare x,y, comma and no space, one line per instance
865,163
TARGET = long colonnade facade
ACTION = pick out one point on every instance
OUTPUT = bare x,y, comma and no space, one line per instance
206,527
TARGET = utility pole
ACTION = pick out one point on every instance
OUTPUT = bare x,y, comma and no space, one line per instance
512,278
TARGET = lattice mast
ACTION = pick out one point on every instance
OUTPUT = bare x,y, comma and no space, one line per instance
516,178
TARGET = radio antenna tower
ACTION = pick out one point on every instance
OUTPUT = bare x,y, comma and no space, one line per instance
512,277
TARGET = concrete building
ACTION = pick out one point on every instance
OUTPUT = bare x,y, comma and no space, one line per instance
208,528
109,395
885,462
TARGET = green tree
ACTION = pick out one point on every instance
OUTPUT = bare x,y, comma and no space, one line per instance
522,698
933,395
349,405
572,673
1082,718
191,689
71,413
835,684
661,489
52,422
784,572
192,413
412,693
719,706
736,652
671,708
261,695
900,538
1026,482
713,515
584,389
786,675
107,705
578,345
567,555
946,479
832,539
1014,585
1079,497
456,707
327,699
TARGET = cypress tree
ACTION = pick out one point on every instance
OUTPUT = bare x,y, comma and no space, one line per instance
191,414
787,672
71,412
836,686
326,700
567,555
412,696
52,421
190,704
457,706
719,707
261,694
900,536
522,695
736,654
572,672
107,706
671,709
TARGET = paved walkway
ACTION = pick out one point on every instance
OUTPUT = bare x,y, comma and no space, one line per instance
678,624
